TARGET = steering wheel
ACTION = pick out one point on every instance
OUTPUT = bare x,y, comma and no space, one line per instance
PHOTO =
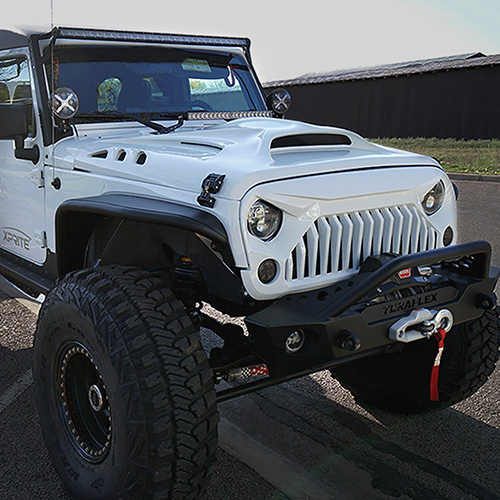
201,104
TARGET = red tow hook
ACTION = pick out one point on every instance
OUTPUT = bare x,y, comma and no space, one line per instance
440,335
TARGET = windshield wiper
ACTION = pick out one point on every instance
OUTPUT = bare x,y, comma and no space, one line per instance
157,127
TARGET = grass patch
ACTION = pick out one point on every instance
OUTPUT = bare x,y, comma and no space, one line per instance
471,157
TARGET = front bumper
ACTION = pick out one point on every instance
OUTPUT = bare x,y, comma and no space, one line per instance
367,305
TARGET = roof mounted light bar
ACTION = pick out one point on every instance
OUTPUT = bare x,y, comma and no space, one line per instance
136,36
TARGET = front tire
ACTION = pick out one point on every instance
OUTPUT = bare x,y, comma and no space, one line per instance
123,388
400,382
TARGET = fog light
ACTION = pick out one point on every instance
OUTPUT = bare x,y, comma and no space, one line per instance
447,236
295,341
267,271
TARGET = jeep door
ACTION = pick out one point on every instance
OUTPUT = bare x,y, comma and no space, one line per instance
21,199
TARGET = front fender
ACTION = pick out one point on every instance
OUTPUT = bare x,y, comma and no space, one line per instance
77,218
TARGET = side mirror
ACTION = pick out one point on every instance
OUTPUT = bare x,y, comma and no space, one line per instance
279,101
14,122
14,125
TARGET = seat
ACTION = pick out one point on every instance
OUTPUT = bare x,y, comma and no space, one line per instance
22,93
135,95
4,93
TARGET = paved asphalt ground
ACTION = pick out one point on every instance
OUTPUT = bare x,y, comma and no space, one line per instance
307,439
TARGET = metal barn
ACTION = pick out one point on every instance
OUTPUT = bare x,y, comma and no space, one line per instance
456,96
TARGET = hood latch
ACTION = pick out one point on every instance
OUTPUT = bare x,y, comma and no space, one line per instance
210,185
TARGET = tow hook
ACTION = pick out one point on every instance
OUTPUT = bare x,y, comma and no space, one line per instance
421,323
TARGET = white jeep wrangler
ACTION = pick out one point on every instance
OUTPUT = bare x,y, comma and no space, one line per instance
145,176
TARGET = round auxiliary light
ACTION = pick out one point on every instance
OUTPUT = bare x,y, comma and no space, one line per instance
434,199
267,271
448,236
264,220
295,341
65,103
279,101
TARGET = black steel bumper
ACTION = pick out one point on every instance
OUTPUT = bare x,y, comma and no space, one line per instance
367,305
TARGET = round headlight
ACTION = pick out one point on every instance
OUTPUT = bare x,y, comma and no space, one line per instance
264,220
434,199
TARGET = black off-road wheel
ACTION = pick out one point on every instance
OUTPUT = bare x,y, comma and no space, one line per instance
400,382
123,388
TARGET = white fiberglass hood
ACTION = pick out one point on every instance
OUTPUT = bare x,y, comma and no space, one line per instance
242,149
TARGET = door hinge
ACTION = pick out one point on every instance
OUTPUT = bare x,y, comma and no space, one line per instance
37,177
41,238
210,185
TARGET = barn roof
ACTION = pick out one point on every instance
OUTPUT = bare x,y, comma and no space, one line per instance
11,39
471,60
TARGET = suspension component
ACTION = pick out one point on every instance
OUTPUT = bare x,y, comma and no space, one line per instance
421,323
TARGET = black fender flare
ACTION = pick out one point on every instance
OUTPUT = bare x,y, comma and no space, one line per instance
76,219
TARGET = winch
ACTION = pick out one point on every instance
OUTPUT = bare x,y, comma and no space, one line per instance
421,323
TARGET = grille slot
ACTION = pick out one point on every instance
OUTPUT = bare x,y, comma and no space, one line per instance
340,243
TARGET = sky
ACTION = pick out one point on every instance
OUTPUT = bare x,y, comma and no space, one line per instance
290,39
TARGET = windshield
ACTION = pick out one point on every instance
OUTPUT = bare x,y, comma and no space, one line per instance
154,80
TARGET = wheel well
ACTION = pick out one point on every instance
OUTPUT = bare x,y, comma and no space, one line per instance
73,232
87,239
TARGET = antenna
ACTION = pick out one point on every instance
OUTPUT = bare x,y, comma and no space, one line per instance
53,86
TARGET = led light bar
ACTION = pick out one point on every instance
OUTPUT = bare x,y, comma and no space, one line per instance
135,36
227,115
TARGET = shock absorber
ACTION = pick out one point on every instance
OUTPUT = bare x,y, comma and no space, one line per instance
188,284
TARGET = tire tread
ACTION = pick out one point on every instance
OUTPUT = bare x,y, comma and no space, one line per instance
172,372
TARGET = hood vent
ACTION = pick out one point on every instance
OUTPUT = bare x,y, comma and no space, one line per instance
141,158
202,144
121,154
300,140
100,154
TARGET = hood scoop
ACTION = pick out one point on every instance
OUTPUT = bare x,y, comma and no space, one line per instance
308,140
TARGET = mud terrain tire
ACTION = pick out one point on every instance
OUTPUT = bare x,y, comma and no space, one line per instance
401,382
124,391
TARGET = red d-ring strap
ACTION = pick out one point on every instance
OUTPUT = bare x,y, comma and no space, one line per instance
440,335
